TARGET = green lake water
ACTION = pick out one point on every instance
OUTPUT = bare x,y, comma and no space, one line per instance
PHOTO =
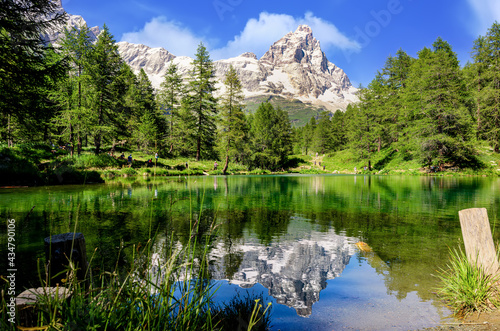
291,238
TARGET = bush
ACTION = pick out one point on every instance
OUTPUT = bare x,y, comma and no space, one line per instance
128,171
93,161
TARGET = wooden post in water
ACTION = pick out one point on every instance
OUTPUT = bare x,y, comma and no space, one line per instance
59,249
478,240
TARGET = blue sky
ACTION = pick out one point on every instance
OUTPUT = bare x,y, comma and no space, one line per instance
357,36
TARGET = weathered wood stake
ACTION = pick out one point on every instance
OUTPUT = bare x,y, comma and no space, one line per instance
59,249
478,240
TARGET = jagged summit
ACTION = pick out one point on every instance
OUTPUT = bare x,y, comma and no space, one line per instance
296,47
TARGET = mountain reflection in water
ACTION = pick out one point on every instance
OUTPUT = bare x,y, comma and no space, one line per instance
294,272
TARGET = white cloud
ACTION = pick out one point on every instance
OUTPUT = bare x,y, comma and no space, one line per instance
257,36
171,35
261,33
487,11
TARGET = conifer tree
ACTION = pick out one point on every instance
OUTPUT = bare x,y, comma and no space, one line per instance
149,124
104,73
74,92
233,127
322,138
308,134
169,98
338,130
271,137
26,72
486,54
440,128
201,105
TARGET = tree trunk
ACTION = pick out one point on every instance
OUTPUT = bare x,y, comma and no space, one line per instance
198,149
227,163
9,133
71,137
79,149
97,139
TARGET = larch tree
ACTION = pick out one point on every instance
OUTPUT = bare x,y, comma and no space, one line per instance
438,101
233,126
73,92
201,104
26,72
104,75
169,99
486,54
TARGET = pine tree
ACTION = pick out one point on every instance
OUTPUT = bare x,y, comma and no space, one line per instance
270,134
104,73
26,72
322,138
169,98
395,72
440,128
74,91
201,105
149,126
233,127
486,54
338,130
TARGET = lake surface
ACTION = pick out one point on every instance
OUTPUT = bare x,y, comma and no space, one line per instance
290,238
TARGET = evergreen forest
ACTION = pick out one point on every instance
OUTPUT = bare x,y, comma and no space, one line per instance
80,94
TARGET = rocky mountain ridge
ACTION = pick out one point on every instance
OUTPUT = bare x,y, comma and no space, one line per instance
294,68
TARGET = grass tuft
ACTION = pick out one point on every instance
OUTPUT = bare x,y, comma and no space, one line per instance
465,287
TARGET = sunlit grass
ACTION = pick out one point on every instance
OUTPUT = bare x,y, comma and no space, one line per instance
466,287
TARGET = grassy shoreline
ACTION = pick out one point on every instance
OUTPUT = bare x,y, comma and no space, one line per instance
40,164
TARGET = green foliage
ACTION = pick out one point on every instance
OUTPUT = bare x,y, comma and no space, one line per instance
169,97
465,287
129,171
312,171
485,78
233,129
200,105
93,161
270,137
28,69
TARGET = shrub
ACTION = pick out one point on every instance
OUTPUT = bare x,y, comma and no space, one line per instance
129,171
93,161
